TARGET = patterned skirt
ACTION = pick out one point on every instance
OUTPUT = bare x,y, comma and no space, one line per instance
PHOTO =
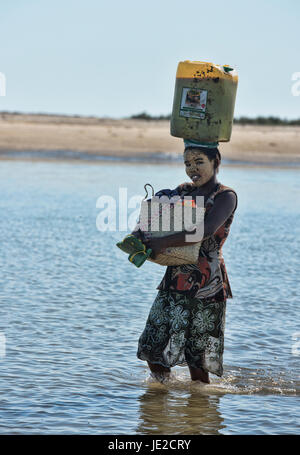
184,331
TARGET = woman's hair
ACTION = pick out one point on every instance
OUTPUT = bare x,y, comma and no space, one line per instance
211,153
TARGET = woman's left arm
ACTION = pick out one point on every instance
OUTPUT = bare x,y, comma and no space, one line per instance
223,207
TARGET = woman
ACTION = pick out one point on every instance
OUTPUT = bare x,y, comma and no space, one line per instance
186,321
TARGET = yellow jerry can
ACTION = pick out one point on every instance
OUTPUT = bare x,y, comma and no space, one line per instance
204,100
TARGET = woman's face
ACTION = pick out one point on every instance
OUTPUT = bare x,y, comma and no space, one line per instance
198,167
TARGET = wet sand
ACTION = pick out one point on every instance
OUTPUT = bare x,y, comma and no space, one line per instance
66,137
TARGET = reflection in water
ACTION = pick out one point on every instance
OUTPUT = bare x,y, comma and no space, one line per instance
166,411
184,407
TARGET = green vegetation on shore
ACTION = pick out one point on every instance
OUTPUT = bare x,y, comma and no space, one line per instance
240,121
268,121
145,116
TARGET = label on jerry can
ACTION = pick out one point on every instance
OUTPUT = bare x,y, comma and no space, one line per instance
193,102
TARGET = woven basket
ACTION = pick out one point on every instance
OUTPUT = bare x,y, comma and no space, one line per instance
151,224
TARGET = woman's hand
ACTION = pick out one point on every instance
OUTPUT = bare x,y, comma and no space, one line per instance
138,234
157,246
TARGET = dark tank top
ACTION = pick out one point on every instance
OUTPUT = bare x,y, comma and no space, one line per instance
208,279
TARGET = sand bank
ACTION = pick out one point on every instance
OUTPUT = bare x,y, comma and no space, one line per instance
80,137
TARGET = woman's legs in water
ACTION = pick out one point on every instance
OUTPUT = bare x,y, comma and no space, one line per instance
198,374
159,372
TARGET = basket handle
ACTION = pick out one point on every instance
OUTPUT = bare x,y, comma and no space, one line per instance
148,184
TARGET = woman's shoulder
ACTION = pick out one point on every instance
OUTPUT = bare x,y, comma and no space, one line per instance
223,189
184,187
231,193
187,187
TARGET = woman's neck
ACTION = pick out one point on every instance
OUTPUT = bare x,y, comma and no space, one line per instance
208,187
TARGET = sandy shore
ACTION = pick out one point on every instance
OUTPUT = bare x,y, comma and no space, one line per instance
77,137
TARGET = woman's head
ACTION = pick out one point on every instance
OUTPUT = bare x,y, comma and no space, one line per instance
201,163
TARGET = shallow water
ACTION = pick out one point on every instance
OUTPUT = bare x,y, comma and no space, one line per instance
73,307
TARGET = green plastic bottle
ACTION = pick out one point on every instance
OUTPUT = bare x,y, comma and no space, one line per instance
204,100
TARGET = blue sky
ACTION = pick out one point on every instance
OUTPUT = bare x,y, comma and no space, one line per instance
118,58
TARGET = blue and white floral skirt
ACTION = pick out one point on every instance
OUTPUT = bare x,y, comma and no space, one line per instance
181,330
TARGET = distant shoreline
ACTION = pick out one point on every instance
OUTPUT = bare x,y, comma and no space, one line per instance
38,136
79,157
